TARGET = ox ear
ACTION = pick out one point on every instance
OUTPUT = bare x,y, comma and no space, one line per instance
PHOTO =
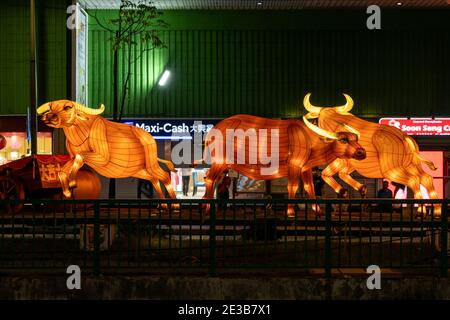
311,115
68,106
79,116
351,129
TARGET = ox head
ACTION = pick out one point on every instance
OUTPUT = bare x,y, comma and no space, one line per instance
64,113
345,143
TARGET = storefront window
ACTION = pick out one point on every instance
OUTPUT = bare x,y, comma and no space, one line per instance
17,145
194,182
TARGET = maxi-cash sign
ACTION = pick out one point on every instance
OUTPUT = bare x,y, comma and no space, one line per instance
173,129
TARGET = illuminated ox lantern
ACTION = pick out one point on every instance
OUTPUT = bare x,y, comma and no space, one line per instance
114,150
391,154
300,147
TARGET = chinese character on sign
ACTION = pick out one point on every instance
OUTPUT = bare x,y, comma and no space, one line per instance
49,172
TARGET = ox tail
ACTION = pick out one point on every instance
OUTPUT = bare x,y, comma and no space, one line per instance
429,163
169,164
415,149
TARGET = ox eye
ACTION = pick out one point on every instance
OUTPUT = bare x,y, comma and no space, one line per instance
66,108
344,140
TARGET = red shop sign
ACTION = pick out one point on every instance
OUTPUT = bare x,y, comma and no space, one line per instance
420,126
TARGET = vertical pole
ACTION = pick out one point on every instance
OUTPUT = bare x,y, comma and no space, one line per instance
33,81
212,239
328,240
328,285
96,239
112,181
444,239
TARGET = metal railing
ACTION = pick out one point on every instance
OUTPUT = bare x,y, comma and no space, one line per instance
234,236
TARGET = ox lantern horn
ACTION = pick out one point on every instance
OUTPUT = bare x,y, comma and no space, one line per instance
43,109
90,111
347,106
313,110
320,131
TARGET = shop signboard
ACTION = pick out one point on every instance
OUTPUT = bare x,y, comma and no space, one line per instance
173,129
420,126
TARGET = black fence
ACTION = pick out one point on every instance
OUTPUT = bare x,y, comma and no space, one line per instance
214,237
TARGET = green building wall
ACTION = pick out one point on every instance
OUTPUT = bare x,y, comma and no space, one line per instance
53,76
258,62
229,62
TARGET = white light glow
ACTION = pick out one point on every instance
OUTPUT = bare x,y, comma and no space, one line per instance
162,82
14,155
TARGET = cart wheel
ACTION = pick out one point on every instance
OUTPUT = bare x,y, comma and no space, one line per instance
11,189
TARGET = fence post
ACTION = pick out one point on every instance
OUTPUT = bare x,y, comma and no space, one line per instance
328,240
212,238
444,239
96,239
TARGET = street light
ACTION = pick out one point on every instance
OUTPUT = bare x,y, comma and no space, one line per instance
164,78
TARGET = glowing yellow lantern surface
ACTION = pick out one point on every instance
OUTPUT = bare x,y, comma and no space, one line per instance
300,147
391,154
114,150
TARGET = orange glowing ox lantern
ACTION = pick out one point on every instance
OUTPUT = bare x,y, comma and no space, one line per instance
114,150
391,154
301,146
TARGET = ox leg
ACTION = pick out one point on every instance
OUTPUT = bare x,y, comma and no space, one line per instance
159,191
210,180
151,160
77,164
309,188
167,182
330,171
410,179
427,181
345,176
293,177
164,177
63,177
161,175
143,174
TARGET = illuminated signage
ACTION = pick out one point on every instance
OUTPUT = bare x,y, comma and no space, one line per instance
419,126
169,129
